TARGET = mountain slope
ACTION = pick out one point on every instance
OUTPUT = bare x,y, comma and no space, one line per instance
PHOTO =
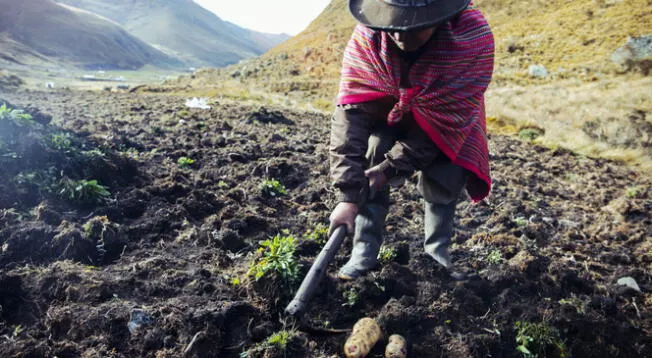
184,29
33,29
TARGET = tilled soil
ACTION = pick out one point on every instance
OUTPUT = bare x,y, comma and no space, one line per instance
159,268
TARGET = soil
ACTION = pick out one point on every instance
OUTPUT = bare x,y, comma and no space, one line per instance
159,268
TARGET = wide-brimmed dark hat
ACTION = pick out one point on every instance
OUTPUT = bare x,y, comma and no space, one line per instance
405,15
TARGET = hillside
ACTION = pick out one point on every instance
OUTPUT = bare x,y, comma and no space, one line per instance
573,39
183,29
37,31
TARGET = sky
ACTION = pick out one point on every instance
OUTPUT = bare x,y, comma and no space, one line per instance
271,16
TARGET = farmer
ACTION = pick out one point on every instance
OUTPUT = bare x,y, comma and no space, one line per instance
411,99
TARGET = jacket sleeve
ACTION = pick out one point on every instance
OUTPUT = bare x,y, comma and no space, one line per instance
351,127
413,150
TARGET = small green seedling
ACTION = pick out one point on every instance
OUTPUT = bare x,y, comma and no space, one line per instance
277,256
61,142
631,192
520,221
222,184
351,296
235,281
387,254
574,302
272,187
495,257
536,340
185,162
318,234
279,339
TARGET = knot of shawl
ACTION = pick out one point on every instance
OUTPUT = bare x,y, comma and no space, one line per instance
404,105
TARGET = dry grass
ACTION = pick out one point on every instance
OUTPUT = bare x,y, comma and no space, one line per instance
596,119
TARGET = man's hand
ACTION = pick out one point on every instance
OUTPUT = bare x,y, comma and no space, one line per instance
343,214
377,178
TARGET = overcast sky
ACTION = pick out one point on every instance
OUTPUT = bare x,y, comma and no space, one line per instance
271,16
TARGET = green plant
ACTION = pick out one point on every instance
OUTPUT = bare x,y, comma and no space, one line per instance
279,339
61,142
520,221
574,302
277,255
82,191
272,187
539,340
387,254
495,257
631,192
318,234
351,296
222,184
17,331
235,281
16,115
185,162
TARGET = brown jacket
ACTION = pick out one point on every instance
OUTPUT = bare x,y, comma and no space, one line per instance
351,127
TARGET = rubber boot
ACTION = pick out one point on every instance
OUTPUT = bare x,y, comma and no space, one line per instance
438,225
367,239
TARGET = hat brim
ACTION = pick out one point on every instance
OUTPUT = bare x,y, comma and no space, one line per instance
380,15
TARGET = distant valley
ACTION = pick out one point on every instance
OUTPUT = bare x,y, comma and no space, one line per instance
122,35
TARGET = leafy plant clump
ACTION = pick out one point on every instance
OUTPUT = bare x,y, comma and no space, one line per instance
495,257
279,339
272,187
16,115
277,255
536,340
351,296
82,191
185,162
61,142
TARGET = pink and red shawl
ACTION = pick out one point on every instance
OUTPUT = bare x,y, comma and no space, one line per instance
447,94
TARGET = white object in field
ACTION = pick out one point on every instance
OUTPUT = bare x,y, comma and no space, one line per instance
629,282
197,103
537,71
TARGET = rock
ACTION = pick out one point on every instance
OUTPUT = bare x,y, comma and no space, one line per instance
629,282
635,54
538,71
138,319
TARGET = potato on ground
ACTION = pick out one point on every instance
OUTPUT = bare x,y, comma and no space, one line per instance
396,347
364,336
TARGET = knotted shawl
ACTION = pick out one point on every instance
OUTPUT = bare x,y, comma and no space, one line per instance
448,83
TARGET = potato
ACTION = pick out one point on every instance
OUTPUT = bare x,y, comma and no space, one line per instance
396,347
364,336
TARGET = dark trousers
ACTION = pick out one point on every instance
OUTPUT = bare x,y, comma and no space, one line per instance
440,185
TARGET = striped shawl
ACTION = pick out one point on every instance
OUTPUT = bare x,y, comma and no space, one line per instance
447,94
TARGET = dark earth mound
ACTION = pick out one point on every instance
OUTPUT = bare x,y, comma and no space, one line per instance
159,268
